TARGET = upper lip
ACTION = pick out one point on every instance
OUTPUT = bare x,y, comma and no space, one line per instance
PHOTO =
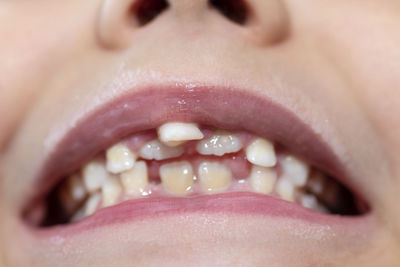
222,107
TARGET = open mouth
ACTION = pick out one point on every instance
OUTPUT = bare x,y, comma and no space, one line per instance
194,147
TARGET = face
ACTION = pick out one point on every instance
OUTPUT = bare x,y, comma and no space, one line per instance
89,95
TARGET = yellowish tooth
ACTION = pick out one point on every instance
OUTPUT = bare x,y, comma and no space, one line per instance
94,175
294,170
262,179
119,158
219,144
176,133
261,152
92,204
136,179
111,191
159,151
177,177
214,177
285,189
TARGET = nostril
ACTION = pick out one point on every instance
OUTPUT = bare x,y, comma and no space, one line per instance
146,10
235,10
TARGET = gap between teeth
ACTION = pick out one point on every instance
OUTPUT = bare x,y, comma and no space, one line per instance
124,174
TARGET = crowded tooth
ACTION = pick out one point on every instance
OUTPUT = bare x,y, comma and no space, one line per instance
176,133
262,179
136,179
92,204
294,170
219,144
285,189
111,191
94,175
159,151
214,176
119,158
177,177
261,152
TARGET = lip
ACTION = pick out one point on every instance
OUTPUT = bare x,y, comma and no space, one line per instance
227,108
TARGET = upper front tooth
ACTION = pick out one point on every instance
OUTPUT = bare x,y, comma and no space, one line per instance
94,175
177,177
214,176
158,151
119,158
294,170
136,179
111,191
262,179
176,133
219,144
261,152
285,189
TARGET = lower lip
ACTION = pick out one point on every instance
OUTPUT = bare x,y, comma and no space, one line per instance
241,203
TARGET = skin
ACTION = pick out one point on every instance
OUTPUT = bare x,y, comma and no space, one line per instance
334,61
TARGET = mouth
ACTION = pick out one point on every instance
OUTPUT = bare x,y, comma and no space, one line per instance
178,149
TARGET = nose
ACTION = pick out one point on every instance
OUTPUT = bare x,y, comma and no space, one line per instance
264,22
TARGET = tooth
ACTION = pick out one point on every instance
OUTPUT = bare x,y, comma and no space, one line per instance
176,133
119,158
285,189
262,179
309,201
158,151
219,144
177,177
294,170
92,204
316,183
94,175
72,193
261,152
111,191
135,180
214,176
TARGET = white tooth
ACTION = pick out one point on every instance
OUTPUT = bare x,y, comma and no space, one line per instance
294,170
119,158
262,179
136,180
111,191
176,133
309,201
214,176
92,204
315,183
158,151
285,189
177,177
261,152
94,175
219,144
72,193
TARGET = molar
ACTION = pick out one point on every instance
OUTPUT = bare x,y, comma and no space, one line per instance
159,151
94,175
262,179
261,152
219,144
136,179
176,133
119,158
72,193
177,177
294,170
214,177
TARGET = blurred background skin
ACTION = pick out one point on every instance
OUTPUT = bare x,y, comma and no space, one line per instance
360,40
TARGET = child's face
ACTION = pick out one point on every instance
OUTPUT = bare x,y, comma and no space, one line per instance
320,79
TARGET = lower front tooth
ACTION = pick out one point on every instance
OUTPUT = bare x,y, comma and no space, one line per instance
177,177
111,191
92,204
159,151
136,179
214,177
94,175
285,189
262,179
294,170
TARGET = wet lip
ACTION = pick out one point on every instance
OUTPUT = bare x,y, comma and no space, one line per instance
227,108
